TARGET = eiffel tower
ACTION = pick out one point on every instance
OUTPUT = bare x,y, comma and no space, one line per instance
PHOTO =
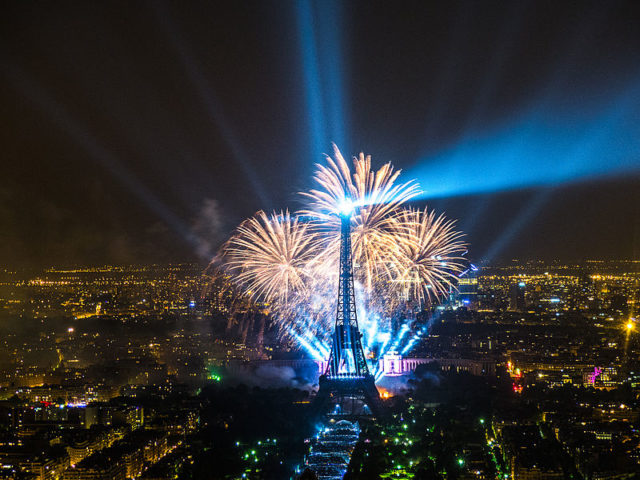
347,379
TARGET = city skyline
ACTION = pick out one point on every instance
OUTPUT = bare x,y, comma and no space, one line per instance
320,240
159,372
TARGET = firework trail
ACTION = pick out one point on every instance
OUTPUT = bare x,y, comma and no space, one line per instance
377,197
270,256
428,257
403,258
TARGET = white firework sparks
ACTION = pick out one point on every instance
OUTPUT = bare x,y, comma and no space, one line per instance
377,198
428,254
402,257
270,256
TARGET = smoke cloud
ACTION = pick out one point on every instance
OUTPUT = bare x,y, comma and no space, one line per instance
272,376
208,228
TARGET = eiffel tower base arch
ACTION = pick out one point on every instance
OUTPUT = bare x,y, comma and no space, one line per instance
354,397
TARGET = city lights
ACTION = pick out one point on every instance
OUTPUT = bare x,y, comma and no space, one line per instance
204,275
140,292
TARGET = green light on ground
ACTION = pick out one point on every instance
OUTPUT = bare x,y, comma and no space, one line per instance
461,461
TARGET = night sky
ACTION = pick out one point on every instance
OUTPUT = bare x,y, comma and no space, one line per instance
145,131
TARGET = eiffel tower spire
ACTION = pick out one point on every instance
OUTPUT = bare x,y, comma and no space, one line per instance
347,379
347,355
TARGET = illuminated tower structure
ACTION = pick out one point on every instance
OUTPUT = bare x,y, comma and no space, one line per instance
517,301
347,382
